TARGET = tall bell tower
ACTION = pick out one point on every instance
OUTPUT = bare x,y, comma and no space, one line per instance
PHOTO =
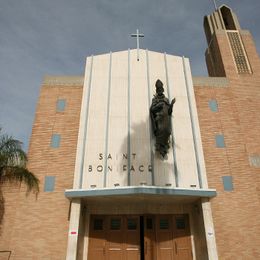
228,106
231,50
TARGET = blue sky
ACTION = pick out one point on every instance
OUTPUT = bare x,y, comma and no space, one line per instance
54,37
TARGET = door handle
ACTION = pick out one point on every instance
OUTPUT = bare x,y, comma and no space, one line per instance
176,249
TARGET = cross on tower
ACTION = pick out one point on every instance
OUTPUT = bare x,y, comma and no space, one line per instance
137,35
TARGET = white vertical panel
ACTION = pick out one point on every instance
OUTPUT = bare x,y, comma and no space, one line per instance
184,145
117,137
171,86
97,123
196,128
82,127
150,95
139,126
180,111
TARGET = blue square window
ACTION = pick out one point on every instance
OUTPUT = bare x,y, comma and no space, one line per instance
213,105
55,141
49,183
220,142
227,183
61,104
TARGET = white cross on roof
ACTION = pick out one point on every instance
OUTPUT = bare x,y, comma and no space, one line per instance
137,35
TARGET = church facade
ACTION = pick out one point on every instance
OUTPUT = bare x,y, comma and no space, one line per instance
107,193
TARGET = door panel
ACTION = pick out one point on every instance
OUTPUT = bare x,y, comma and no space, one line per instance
165,247
120,237
97,241
132,253
114,238
173,237
149,238
132,238
114,254
182,239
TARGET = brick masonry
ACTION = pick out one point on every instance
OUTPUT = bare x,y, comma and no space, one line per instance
235,213
43,234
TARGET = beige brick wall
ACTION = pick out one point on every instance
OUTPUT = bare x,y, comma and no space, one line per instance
37,229
236,213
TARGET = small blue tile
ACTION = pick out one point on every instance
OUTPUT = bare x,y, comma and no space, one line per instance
220,143
228,183
55,140
61,104
49,183
213,105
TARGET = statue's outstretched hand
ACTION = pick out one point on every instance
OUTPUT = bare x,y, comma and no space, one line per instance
171,105
173,101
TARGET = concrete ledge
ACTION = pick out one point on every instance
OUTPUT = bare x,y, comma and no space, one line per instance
210,82
63,80
244,32
140,190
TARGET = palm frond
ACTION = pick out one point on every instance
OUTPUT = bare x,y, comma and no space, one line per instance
11,153
13,164
20,175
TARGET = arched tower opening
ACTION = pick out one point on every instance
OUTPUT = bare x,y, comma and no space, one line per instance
228,18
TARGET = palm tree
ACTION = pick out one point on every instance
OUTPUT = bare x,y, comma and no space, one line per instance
13,164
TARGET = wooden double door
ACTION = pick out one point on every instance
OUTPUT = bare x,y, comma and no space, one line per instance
134,237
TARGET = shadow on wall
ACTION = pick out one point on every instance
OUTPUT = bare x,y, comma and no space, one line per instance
146,166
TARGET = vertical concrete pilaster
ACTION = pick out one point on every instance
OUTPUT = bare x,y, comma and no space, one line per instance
73,230
86,235
209,229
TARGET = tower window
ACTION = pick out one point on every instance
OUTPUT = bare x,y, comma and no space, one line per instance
49,183
228,18
213,105
237,48
227,183
60,105
220,142
55,140
225,22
